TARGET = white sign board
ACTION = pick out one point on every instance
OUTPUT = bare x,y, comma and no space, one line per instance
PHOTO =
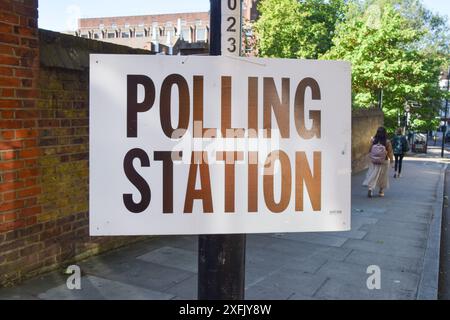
218,145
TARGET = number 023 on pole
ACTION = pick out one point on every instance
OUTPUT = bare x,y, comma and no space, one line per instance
218,145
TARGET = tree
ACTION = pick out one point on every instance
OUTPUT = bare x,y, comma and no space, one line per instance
386,48
297,29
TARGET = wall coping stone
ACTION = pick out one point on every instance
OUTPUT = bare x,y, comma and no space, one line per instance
59,50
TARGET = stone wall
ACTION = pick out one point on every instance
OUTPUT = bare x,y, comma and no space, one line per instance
365,123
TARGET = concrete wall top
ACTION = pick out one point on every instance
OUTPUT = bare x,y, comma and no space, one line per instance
367,112
58,50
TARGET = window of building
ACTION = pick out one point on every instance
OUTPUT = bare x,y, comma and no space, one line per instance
140,34
186,34
101,27
125,34
141,25
96,35
111,35
201,34
198,22
114,26
127,26
84,35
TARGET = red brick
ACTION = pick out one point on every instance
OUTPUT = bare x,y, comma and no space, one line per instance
29,143
10,61
19,204
29,123
30,163
27,114
11,186
28,212
10,217
5,50
30,182
23,73
11,165
10,82
7,114
8,134
30,202
5,28
9,103
8,93
10,196
9,18
9,39
11,124
28,173
8,155
6,6
27,32
6,71
8,176
25,10
31,221
29,192
24,93
28,104
29,153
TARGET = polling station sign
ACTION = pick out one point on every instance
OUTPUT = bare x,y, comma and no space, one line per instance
218,145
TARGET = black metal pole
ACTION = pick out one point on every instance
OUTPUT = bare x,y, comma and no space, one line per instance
444,133
221,258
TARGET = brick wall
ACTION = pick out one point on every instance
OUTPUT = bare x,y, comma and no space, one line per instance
19,173
44,158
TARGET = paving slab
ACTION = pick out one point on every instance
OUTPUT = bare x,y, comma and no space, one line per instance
314,238
96,288
169,256
388,262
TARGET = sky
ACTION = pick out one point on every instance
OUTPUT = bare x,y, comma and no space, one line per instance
62,15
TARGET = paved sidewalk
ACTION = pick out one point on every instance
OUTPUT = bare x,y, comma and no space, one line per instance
393,233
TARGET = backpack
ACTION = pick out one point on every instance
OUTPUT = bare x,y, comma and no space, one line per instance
378,154
405,145
400,145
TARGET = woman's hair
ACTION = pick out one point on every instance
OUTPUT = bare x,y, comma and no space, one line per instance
380,136
399,131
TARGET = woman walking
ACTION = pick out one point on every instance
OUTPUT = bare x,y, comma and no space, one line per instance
380,154
400,145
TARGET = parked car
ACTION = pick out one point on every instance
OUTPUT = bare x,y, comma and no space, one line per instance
420,143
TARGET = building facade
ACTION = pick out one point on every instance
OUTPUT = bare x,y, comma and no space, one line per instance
157,33
185,33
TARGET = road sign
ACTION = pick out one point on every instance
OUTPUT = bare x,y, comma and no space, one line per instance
231,27
213,145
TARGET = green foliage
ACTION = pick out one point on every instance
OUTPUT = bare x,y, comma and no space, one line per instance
396,47
297,29
388,43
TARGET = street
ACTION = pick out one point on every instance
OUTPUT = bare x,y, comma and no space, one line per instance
398,233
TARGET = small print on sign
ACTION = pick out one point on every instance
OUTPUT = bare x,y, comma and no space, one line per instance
218,145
